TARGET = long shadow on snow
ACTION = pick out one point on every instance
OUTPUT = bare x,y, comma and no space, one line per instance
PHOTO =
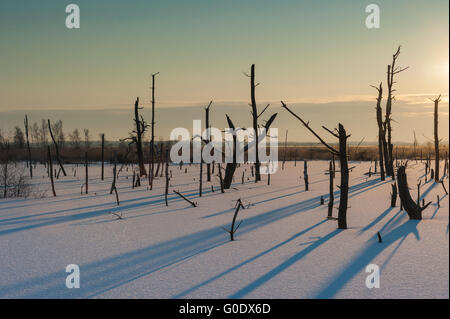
366,255
111,272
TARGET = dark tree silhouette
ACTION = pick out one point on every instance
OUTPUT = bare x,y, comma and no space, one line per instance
342,153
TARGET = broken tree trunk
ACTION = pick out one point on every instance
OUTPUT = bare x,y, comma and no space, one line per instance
208,138
436,140
152,140
140,128
187,200
56,148
305,175
342,153
51,170
331,190
255,122
86,166
394,195
103,157
381,132
28,147
167,177
414,211
233,230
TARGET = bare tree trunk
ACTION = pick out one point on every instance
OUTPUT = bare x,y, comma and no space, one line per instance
233,230
343,202
140,127
305,175
167,177
219,168
342,153
255,122
5,172
51,170
28,147
56,149
103,157
87,173
208,138
331,190
436,140
394,195
152,141
381,132
414,211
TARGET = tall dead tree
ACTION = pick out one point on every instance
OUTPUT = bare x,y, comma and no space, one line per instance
30,166
392,70
208,138
50,165
255,117
331,190
86,164
436,139
342,153
167,177
136,136
5,170
152,140
58,158
103,156
382,149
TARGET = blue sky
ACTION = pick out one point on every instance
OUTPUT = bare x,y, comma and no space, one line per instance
306,52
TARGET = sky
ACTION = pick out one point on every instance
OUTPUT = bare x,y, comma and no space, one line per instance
317,56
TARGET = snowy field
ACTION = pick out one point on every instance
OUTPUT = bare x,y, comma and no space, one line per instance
284,248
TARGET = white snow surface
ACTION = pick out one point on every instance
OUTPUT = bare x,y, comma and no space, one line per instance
284,248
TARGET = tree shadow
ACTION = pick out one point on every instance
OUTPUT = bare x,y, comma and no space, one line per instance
366,255
245,262
283,266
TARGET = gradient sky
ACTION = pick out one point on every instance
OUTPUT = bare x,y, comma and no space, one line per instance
316,55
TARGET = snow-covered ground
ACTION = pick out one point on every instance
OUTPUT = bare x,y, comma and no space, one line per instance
284,248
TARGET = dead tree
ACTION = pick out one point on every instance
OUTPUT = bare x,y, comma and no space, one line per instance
86,166
167,177
436,139
103,156
58,158
342,153
208,138
30,166
331,190
394,195
392,70
381,132
51,170
136,136
413,209
187,200
5,171
233,230
305,174
418,192
255,116
231,167
113,184
219,168
152,140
